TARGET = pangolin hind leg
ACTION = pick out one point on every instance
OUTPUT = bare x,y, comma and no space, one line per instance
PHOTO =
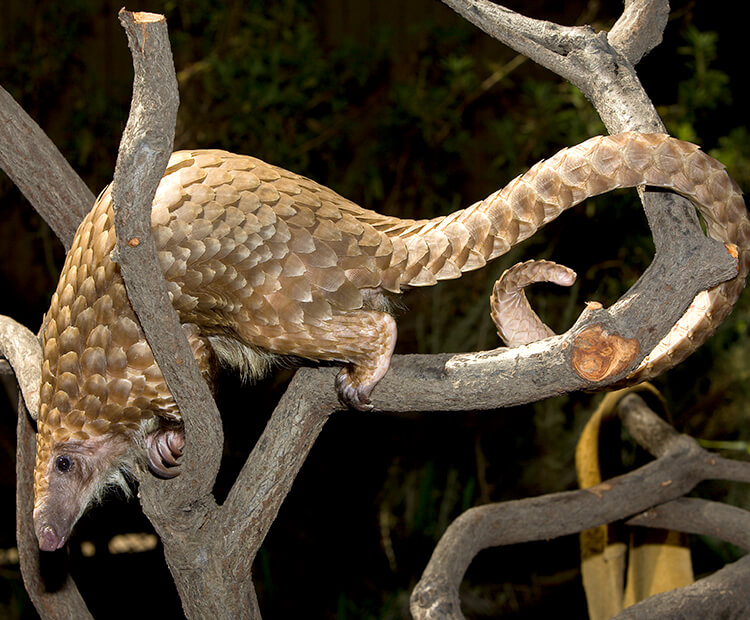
372,337
363,339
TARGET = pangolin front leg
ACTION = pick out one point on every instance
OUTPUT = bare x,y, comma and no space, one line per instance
164,448
165,444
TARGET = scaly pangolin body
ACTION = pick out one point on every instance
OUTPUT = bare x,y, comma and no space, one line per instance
260,262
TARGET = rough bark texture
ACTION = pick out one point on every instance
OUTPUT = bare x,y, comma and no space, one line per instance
40,171
722,595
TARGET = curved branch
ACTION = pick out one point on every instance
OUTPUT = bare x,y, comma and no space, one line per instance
659,438
40,171
182,504
24,354
144,152
267,476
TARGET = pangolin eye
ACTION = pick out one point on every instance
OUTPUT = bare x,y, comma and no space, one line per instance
63,464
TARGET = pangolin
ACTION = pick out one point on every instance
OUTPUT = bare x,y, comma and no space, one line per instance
262,262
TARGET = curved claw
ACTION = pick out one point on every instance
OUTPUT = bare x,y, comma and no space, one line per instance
353,395
164,448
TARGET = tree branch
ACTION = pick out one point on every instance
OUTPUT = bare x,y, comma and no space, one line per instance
144,151
722,595
699,516
179,507
40,171
682,464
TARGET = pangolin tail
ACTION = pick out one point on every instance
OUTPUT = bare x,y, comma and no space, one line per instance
445,247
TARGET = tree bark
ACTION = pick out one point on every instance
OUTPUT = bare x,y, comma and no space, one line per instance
41,172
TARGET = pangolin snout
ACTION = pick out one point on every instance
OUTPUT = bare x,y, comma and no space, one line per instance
49,538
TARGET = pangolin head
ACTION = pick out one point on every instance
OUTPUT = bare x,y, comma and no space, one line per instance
72,470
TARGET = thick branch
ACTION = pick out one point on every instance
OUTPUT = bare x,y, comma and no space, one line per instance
505,377
40,171
144,151
722,595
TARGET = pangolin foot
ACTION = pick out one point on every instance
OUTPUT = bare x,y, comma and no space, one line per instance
164,448
353,394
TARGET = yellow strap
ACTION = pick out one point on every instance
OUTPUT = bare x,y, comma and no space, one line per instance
621,567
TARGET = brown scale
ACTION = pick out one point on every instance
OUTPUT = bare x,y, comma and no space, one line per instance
257,259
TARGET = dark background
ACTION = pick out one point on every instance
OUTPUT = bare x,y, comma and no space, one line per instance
404,108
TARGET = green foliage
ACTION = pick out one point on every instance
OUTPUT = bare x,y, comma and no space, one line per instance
705,90
734,152
258,80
